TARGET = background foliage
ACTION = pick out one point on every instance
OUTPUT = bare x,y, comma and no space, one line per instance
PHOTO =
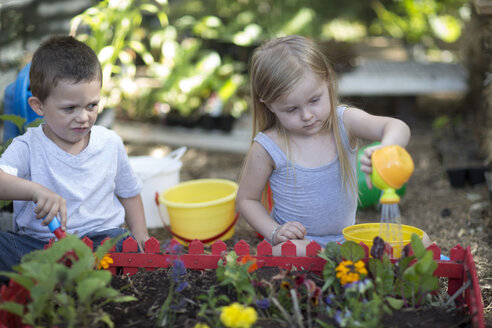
190,56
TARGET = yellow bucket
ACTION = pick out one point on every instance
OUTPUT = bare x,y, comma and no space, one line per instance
366,232
202,209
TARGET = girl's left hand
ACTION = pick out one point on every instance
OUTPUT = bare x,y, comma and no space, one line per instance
366,163
290,230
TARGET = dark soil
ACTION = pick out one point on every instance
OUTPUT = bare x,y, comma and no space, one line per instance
449,215
152,288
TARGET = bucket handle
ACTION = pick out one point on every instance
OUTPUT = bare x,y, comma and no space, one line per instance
177,153
168,227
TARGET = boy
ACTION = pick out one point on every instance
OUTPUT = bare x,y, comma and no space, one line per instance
67,167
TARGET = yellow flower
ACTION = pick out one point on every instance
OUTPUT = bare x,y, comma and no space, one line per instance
201,325
105,262
348,271
238,316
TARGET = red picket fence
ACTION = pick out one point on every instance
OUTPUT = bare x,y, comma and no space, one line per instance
460,270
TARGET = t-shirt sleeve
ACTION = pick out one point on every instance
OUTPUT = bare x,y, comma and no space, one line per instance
15,159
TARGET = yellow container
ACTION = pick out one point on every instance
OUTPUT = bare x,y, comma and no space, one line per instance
366,232
201,209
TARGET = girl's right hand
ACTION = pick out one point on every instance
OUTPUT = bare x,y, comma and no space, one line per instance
49,205
288,231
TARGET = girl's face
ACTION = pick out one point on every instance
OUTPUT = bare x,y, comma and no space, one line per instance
306,109
70,112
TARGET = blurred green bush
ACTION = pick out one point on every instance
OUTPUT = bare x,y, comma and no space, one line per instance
190,56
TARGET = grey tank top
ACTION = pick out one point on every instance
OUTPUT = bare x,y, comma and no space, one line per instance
313,196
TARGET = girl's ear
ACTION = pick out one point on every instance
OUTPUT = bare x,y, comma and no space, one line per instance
36,105
266,105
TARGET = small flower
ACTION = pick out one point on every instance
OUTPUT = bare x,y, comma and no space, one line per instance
329,299
182,286
105,262
172,247
264,303
348,271
238,316
178,270
249,259
285,285
299,279
201,325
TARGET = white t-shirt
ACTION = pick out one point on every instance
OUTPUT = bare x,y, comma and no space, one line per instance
89,181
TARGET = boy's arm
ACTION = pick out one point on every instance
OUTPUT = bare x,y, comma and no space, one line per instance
135,218
48,203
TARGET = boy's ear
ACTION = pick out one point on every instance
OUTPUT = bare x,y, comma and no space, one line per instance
36,105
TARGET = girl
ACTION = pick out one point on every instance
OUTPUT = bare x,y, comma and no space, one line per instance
305,146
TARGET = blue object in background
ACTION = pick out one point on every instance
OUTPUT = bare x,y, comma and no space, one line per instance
15,103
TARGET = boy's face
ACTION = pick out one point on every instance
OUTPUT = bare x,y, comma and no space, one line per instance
69,112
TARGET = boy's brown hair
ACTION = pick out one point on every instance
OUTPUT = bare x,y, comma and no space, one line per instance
62,58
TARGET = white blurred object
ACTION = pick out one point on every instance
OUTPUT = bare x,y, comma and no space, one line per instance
158,175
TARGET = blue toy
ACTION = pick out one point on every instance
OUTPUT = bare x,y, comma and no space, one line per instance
15,103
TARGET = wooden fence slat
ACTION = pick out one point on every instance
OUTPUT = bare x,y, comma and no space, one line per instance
436,251
313,248
152,246
195,247
456,254
473,294
241,248
289,249
130,245
88,242
218,247
264,248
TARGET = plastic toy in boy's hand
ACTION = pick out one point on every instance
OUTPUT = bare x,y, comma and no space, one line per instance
55,228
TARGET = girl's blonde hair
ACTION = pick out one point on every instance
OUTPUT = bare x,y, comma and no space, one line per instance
276,68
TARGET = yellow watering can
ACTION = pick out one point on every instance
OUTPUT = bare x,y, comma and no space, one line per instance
392,166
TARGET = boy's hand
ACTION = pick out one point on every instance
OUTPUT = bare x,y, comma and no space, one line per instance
141,241
49,205
288,231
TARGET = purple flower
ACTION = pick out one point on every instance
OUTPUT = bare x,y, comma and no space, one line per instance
178,270
329,299
182,286
263,303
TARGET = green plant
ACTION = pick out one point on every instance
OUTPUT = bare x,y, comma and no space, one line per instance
208,309
174,301
414,21
150,68
358,293
64,285
115,30
237,274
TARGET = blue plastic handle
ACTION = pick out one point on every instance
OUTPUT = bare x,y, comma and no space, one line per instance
54,224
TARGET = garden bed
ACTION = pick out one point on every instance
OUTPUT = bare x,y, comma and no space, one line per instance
147,277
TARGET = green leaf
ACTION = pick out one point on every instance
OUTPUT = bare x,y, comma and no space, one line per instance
425,264
18,121
107,320
352,251
13,307
417,246
332,252
395,303
87,288
122,299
